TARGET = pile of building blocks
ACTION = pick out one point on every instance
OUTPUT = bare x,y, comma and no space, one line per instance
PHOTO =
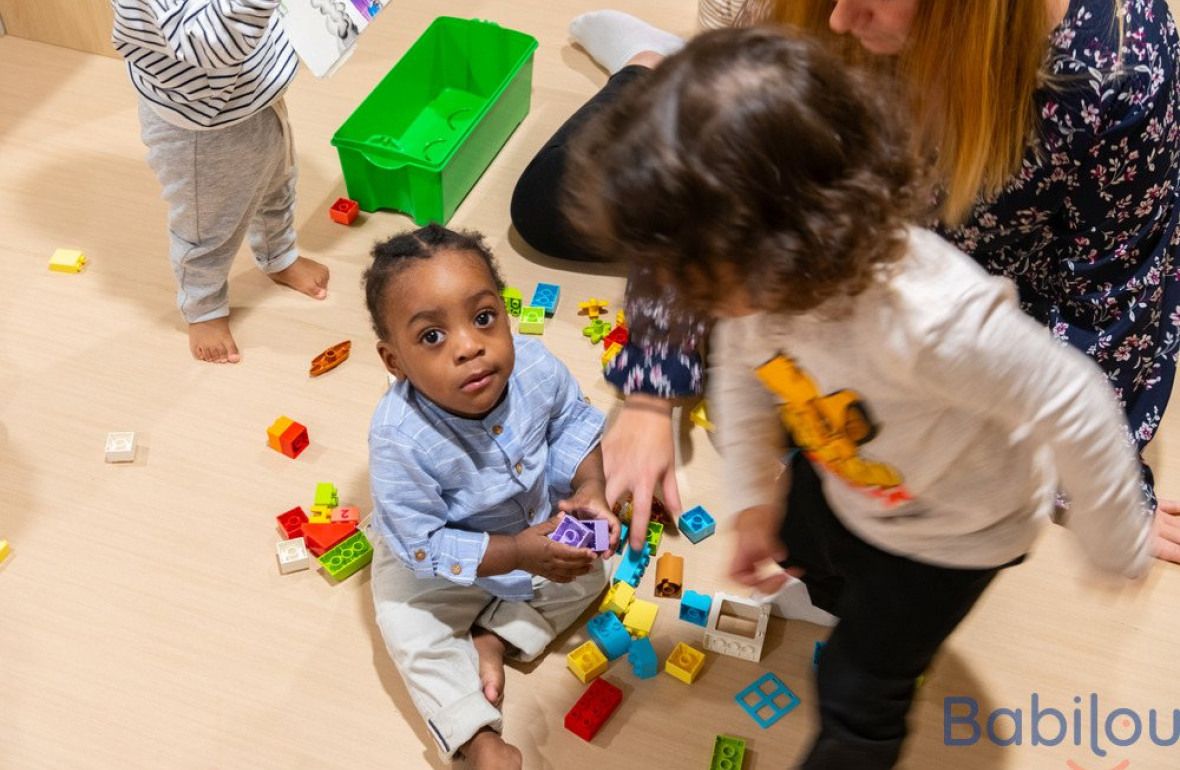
331,533
737,627
696,524
344,211
67,261
120,447
287,436
593,709
767,700
728,753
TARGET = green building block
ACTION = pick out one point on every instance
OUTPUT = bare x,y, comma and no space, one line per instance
513,300
348,557
325,494
655,531
596,330
728,753
532,320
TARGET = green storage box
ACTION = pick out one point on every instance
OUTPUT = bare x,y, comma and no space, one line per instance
420,141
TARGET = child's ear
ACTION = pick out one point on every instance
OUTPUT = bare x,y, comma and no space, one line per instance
389,358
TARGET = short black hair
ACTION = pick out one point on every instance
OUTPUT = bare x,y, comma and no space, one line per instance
392,256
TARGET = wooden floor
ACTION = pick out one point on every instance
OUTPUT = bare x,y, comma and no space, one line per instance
143,622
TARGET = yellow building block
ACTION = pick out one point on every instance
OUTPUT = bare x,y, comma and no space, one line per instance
684,662
586,662
319,514
67,261
640,617
4,550
614,349
700,417
618,598
275,432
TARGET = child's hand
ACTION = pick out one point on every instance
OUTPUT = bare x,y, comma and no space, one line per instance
558,562
589,502
757,547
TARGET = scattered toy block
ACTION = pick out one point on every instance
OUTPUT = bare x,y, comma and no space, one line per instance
596,330
532,320
586,662
344,211
684,663
325,494
322,537
620,318
640,618
346,513
737,627
330,358
694,607
287,436
617,336
696,524
700,417
728,753
348,557
291,523
572,532
767,700
292,555
618,598
5,550
608,633
632,565
816,652
593,709
120,447
592,307
513,300
545,296
642,657
669,575
601,539
320,514
67,261
610,353
655,531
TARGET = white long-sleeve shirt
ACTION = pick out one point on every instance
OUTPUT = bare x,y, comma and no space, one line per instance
941,419
204,63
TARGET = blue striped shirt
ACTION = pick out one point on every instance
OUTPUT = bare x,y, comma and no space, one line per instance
204,63
442,484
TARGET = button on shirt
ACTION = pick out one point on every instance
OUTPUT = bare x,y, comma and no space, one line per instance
442,483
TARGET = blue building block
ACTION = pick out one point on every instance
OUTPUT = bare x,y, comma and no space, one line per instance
608,633
632,565
694,608
696,524
622,534
767,700
642,658
545,296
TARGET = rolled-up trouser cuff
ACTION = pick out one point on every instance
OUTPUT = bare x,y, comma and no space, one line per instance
458,723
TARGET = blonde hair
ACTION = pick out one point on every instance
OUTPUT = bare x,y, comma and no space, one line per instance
970,71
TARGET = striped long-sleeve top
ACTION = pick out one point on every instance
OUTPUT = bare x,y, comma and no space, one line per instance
204,63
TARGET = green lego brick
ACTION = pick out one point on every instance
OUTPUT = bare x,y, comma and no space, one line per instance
728,753
348,557
325,494
655,531
513,300
532,320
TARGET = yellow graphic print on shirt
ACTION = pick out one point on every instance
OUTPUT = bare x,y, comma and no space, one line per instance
831,429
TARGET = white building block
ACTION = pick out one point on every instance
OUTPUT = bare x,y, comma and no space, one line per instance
120,447
292,555
737,627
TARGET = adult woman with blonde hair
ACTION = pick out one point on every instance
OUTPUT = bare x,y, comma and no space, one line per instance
1053,133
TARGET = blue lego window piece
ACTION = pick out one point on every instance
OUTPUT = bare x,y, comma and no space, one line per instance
696,524
632,566
642,658
545,296
694,608
767,700
608,633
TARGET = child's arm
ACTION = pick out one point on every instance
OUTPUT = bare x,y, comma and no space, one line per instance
210,34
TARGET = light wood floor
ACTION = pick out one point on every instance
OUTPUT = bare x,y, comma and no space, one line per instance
143,622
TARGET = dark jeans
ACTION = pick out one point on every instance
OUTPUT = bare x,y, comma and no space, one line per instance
894,615
536,201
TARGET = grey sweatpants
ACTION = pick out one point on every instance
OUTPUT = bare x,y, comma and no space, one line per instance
427,628
221,185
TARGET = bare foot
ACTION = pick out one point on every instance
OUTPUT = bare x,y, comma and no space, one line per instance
211,341
488,751
491,664
305,276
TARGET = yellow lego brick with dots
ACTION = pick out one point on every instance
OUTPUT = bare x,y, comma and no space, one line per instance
67,261
586,662
684,662
618,598
640,617
319,514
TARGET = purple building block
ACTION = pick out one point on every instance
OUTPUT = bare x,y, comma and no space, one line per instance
601,539
572,532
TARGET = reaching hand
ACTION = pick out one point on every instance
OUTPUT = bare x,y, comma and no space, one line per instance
1166,537
638,454
558,562
758,545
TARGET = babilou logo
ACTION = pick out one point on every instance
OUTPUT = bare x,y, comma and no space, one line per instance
1088,724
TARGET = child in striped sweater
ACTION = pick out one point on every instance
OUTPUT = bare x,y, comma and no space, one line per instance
211,77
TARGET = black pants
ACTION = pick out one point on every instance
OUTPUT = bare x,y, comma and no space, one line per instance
894,615
536,201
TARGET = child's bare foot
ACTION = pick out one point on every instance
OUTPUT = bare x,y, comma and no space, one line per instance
491,664
211,341
488,751
306,276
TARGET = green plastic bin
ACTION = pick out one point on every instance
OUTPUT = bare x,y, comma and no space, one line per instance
420,141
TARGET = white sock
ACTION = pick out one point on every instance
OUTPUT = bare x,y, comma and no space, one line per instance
612,38
794,603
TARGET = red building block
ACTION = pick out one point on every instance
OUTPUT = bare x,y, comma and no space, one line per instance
294,440
344,211
321,537
291,523
619,335
593,709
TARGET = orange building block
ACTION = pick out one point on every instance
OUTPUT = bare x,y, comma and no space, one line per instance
287,436
669,575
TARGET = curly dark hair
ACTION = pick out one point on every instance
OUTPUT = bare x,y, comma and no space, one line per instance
749,156
392,256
